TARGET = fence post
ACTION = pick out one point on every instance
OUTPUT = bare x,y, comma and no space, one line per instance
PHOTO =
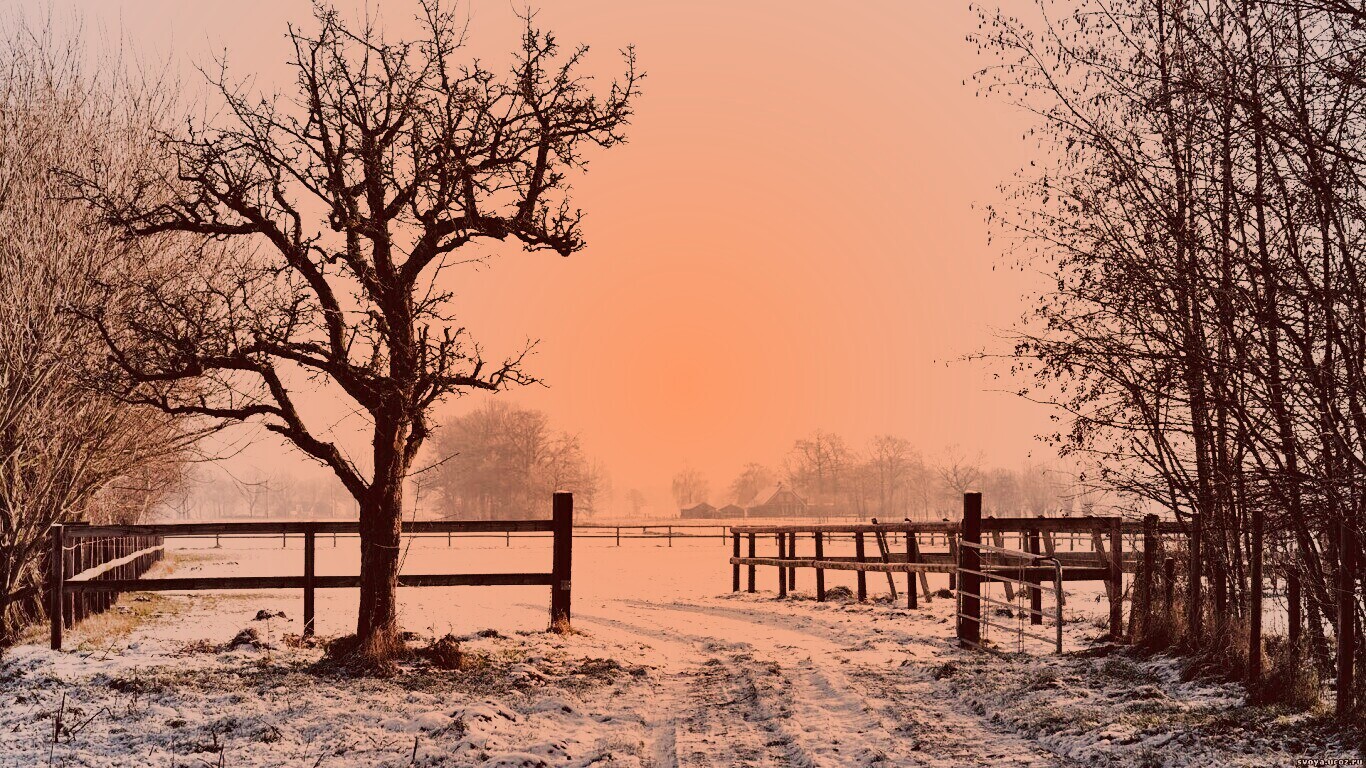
308,581
671,535
735,569
1035,592
820,572
619,544
792,553
57,588
969,584
1346,629
862,577
782,572
912,556
1145,594
1117,578
563,522
750,585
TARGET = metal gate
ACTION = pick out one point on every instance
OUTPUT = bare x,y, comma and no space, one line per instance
1021,577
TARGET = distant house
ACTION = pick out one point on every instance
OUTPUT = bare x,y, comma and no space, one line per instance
731,512
703,511
778,501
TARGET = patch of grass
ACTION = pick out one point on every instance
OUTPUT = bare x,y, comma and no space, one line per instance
1289,679
1128,672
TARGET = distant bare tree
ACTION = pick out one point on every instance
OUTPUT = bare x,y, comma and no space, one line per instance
348,198
959,472
500,460
690,487
753,479
818,467
892,463
635,498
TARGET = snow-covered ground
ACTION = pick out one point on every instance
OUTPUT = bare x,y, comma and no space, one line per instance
666,668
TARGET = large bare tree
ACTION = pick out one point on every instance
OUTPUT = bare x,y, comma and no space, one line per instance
348,196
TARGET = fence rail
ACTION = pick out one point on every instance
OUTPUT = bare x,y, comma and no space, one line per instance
98,583
968,560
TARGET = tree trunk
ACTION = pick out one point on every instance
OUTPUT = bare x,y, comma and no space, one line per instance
381,520
381,516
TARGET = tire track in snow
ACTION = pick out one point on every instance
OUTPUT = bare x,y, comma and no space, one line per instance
810,704
735,708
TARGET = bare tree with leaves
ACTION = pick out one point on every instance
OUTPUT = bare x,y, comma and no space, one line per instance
347,197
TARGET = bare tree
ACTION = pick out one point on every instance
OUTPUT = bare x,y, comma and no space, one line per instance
690,487
409,156
66,450
636,499
504,461
753,479
892,463
818,466
959,471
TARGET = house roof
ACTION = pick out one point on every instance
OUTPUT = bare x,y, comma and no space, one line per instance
766,495
700,505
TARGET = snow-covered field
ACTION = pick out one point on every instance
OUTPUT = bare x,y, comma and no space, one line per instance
666,668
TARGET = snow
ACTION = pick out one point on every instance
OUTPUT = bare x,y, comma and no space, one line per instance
666,668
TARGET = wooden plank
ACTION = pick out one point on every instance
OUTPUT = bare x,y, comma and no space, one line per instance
735,569
1060,524
99,570
562,509
820,573
969,582
173,530
172,584
749,586
1090,573
881,537
782,561
862,573
911,550
923,527
1116,580
56,583
310,539
1016,524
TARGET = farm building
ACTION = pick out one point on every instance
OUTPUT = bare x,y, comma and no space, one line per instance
702,511
731,512
778,501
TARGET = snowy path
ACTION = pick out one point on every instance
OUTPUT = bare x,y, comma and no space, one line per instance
668,669
748,682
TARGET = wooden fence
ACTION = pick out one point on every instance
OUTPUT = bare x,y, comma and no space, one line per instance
108,579
93,556
967,566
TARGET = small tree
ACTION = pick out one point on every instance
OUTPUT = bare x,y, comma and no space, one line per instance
348,198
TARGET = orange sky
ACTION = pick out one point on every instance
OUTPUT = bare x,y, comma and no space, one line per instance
787,242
